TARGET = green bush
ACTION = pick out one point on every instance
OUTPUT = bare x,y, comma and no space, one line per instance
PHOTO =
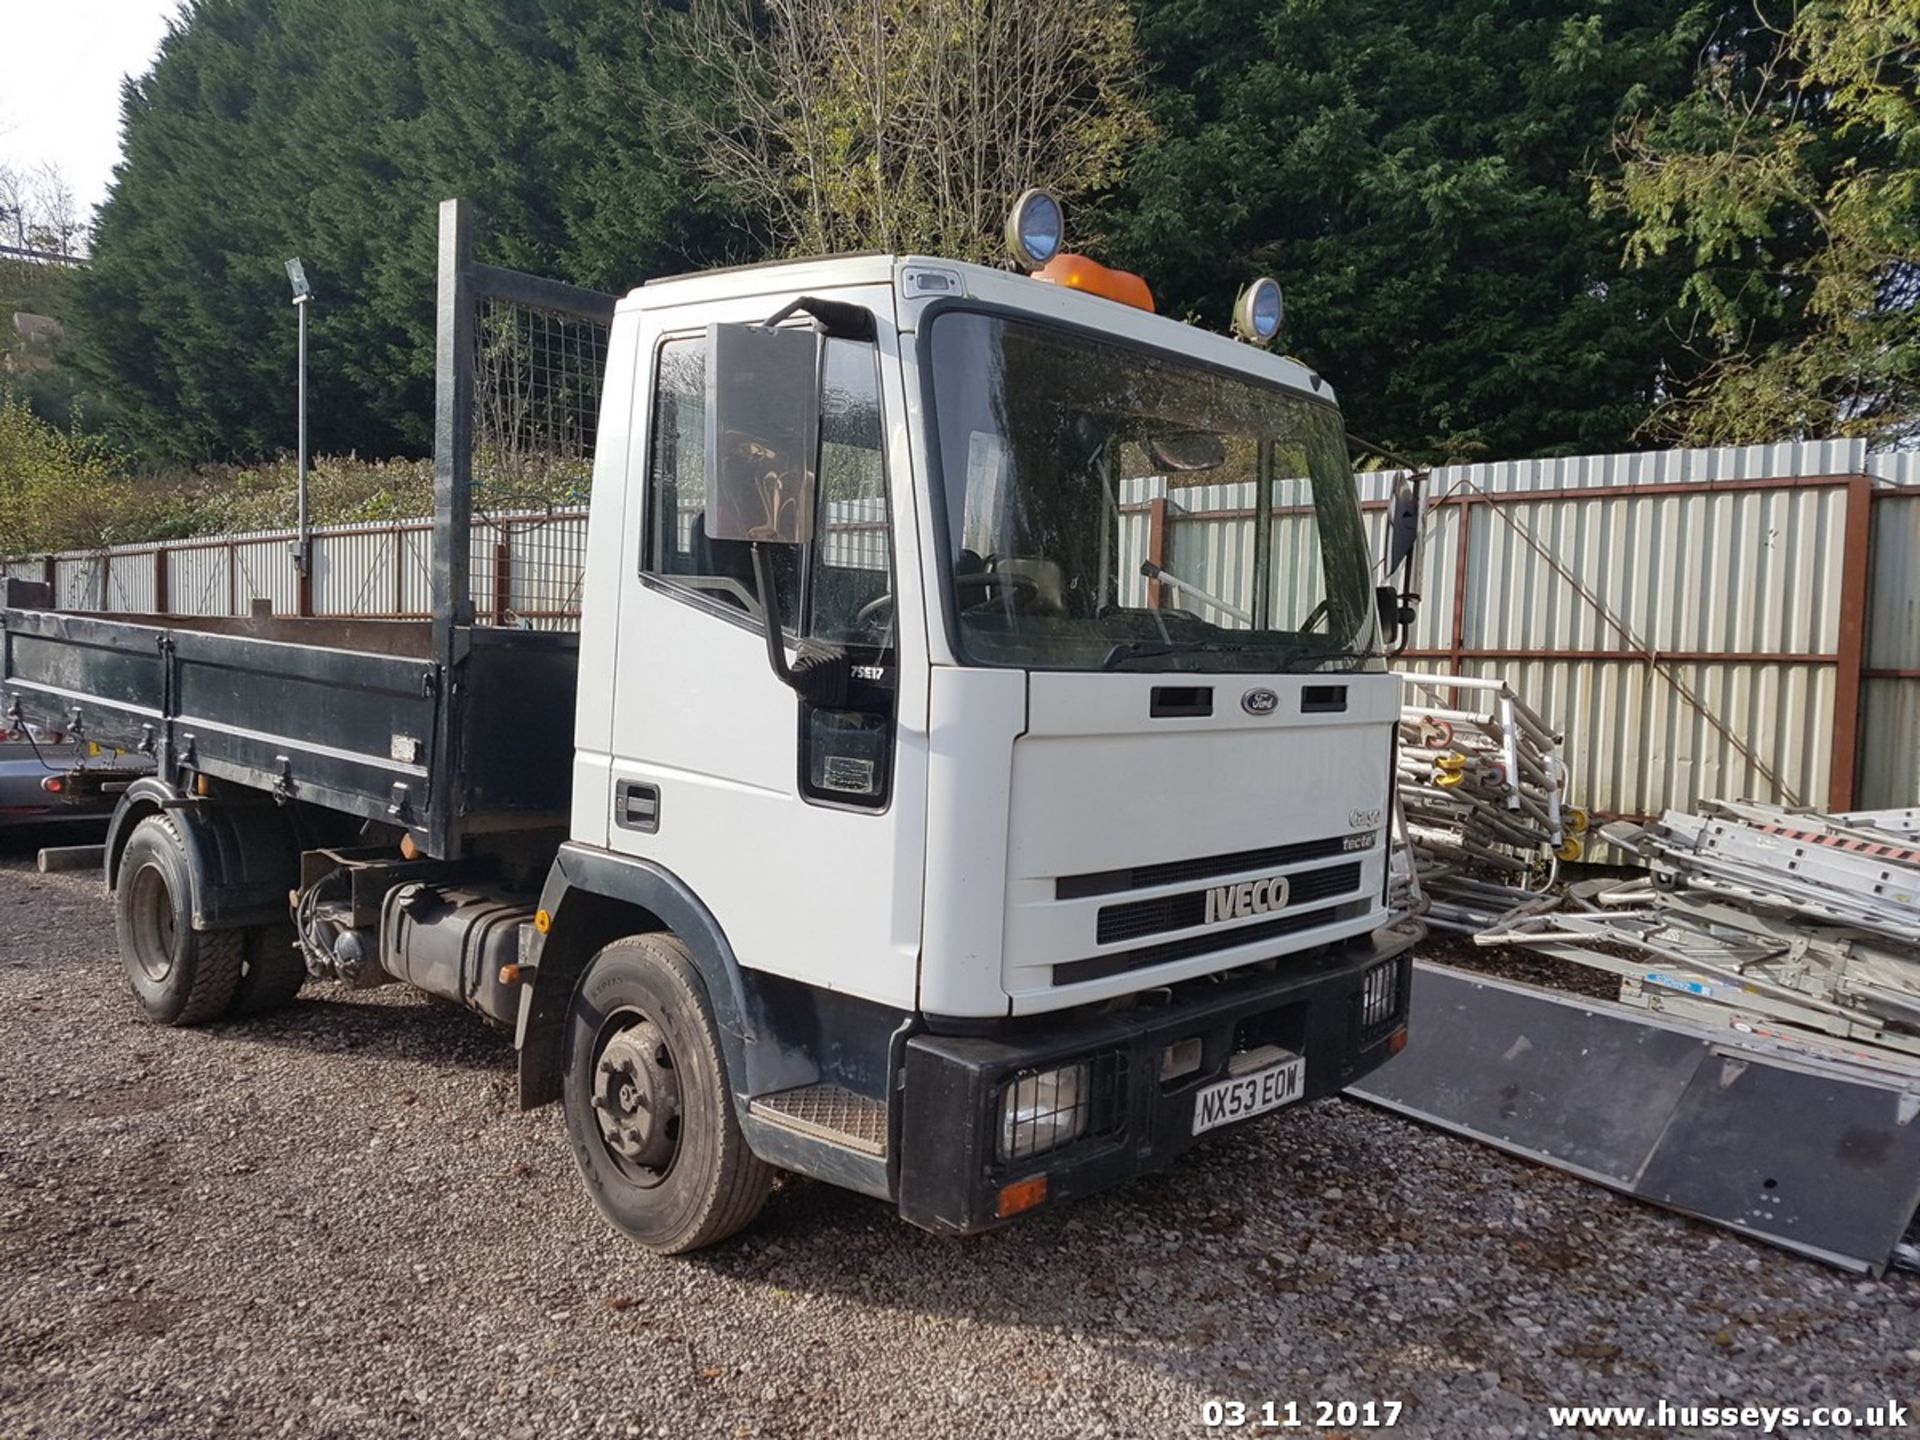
62,490
220,499
59,489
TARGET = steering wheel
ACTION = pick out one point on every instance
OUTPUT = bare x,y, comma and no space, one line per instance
1314,617
1023,587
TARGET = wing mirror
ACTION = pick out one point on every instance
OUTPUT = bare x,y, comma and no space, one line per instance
1398,601
763,433
1403,522
763,387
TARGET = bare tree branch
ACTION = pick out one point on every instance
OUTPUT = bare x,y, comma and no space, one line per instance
904,124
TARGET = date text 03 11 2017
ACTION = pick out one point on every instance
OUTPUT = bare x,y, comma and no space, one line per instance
1301,1414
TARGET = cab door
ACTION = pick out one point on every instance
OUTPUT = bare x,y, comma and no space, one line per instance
800,828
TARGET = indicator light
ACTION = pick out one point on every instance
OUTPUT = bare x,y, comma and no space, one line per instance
1077,272
1021,1195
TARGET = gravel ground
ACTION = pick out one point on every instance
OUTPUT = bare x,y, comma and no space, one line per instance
1517,963
332,1222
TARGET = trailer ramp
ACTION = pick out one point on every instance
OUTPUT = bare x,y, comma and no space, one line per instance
1809,1144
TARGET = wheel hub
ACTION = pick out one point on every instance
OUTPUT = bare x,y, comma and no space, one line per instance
152,924
636,1096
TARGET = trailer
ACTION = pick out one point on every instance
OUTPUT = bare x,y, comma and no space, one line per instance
881,823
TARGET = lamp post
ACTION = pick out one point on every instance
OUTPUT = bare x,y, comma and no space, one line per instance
302,293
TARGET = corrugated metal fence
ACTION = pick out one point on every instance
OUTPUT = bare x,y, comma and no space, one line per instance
526,571
1740,622
526,568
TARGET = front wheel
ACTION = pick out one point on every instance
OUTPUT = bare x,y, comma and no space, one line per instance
648,1107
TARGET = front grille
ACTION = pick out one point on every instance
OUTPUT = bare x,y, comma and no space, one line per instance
1177,912
1099,967
1172,872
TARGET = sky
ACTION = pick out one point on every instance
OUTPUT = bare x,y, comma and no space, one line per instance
60,84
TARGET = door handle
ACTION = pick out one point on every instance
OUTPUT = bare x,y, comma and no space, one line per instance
636,806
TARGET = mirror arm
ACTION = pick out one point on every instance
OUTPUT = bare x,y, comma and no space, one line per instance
819,674
838,318
1409,610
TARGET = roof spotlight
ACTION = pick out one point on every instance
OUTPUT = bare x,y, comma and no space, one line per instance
1035,228
1258,311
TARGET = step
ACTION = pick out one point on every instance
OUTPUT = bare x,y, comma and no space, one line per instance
827,1112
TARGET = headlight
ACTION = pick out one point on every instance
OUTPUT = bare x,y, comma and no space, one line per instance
1379,1000
1259,310
1045,1110
1035,228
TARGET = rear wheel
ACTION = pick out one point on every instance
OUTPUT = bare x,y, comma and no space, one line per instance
273,972
180,976
648,1107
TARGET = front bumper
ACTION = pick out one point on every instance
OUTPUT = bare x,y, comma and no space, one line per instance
951,1178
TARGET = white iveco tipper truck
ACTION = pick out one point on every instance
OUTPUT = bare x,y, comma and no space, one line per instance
903,813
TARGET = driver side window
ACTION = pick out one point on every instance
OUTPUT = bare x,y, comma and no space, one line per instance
850,582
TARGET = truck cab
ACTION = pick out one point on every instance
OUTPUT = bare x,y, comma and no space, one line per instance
1071,865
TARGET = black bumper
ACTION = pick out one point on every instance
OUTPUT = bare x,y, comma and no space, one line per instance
950,1176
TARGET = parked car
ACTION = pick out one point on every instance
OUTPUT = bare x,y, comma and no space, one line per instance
48,780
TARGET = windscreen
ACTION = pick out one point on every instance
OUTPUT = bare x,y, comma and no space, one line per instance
1055,444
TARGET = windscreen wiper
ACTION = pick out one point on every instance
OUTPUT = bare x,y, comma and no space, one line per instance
1153,649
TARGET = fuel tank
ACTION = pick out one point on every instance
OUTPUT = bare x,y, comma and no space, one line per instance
452,942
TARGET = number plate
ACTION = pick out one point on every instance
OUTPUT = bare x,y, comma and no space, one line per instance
1247,1095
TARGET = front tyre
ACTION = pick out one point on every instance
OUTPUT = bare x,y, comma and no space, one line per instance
180,976
649,1110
